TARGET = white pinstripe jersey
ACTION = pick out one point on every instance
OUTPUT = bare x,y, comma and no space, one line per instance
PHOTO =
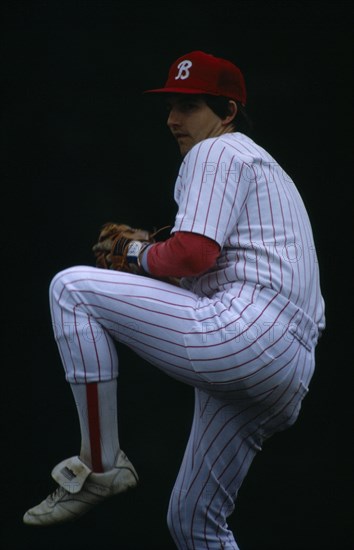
231,190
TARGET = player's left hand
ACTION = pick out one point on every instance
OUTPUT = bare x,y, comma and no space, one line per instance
120,246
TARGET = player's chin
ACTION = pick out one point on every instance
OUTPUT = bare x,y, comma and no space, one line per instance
184,148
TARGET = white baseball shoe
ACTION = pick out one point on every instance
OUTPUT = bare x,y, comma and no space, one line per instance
80,489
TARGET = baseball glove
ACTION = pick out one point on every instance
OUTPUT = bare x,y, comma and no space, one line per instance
119,247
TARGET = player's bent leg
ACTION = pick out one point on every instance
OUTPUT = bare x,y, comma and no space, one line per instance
204,492
227,432
91,308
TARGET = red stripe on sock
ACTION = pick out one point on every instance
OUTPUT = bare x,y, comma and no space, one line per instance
94,426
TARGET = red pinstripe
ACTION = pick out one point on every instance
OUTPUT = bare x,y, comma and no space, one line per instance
285,239
200,187
193,174
96,352
79,340
235,196
261,224
293,230
297,299
212,190
252,246
224,193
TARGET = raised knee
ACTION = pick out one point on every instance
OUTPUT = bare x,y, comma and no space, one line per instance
64,277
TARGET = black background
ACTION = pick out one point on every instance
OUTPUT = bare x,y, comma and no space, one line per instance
82,139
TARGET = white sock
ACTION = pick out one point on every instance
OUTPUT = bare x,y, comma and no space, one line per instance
97,409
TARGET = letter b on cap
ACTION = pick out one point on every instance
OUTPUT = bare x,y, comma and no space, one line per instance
183,71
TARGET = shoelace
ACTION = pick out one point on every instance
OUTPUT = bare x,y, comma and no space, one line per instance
57,494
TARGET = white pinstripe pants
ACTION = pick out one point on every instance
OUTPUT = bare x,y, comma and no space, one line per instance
249,355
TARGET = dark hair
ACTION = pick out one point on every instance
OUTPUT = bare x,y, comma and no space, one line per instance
220,106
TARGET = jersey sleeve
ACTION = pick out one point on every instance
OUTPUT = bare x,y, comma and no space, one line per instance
211,190
182,255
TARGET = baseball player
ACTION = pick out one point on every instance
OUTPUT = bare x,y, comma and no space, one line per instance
241,325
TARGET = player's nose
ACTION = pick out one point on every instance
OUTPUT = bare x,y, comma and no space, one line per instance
173,119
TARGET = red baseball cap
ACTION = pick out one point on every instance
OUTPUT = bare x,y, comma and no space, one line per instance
198,72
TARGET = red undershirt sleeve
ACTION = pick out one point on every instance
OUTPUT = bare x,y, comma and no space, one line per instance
184,254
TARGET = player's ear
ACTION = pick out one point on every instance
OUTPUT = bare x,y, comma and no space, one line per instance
232,112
